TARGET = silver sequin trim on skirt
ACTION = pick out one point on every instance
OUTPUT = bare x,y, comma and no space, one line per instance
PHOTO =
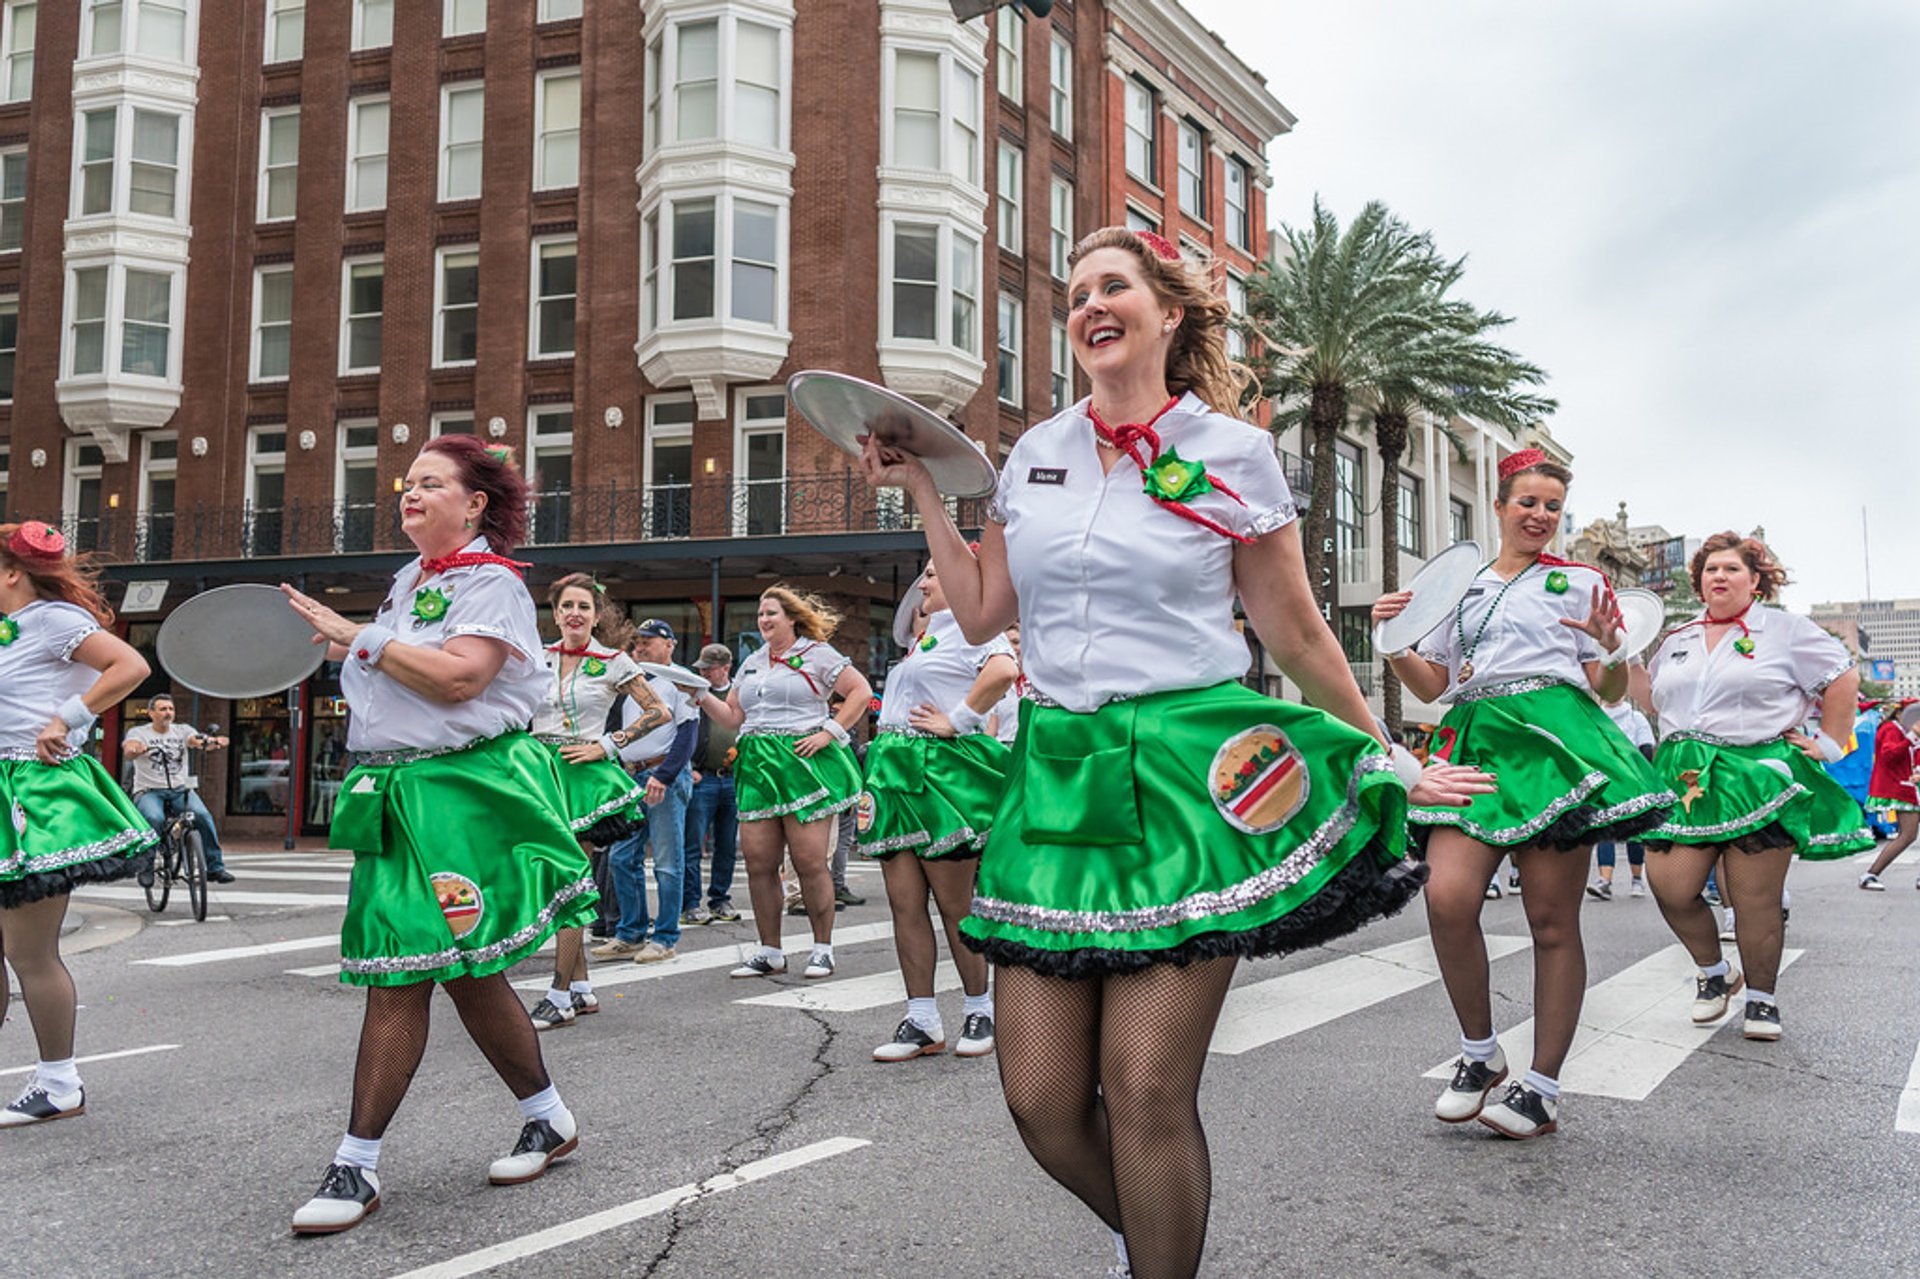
21,864
1719,832
1509,688
479,954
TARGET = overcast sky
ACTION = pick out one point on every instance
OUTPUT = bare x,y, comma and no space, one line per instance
1704,217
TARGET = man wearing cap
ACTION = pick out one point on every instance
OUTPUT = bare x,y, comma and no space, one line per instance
712,807
659,760
163,784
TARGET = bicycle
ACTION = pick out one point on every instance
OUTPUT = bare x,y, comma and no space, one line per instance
181,854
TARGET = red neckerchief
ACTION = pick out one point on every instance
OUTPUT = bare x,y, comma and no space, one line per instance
564,651
1738,619
801,671
462,559
1129,436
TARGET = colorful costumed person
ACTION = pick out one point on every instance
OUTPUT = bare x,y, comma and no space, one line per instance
1161,819
67,823
1533,642
1890,791
1732,689
934,782
464,858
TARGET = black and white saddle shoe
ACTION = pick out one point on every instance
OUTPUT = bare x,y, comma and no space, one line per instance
347,1196
1522,1113
1466,1095
38,1104
910,1041
1712,993
540,1144
1762,1021
976,1036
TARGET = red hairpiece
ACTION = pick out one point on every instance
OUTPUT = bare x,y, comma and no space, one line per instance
1159,244
1514,463
37,540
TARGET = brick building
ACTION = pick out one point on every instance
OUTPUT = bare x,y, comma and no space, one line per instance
254,253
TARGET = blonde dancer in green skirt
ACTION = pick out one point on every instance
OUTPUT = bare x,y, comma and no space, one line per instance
464,858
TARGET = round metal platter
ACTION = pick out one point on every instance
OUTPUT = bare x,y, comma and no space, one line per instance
1437,588
238,641
844,408
1646,616
675,674
904,611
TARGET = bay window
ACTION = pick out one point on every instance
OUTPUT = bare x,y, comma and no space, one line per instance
717,79
934,99
121,320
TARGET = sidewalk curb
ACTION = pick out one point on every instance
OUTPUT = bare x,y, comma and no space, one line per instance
94,927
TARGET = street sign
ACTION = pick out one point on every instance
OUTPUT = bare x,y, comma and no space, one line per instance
143,597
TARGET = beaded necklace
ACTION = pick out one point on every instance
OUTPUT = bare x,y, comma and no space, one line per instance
1469,647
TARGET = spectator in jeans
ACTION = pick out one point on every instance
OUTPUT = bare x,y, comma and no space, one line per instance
712,807
163,783
659,760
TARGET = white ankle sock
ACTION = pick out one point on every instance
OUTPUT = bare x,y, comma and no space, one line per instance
1120,1249
822,950
559,999
1479,1049
1762,997
924,1013
361,1152
545,1104
1548,1088
1720,969
580,988
981,1004
773,955
61,1076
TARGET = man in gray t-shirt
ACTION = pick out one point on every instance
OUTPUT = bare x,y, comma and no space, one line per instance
163,781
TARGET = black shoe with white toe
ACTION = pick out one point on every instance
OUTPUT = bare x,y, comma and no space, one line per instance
1466,1096
547,1017
1762,1021
39,1104
347,1196
976,1036
1522,1113
910,1041
540,1144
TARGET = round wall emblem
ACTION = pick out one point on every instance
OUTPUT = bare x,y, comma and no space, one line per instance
863,811
460,901
1258,780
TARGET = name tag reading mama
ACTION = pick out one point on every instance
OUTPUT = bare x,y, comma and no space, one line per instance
1047,475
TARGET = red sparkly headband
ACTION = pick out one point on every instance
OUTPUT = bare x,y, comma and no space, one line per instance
1159,244
37,540
1514,463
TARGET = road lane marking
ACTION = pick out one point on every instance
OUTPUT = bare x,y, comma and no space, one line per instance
182,923
333,969
1634,1029
241,952
626,1214
221,896
1907,1119
308,876
81,1061
621,972
1261,1012
855,994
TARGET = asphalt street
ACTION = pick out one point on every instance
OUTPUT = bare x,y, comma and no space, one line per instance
733,1128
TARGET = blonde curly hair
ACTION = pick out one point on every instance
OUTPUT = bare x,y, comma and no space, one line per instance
813,618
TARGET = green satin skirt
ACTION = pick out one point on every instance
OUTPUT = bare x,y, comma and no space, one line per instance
769,780
1186,825
604,803
65,824
1568,777
464,863
930,796
1768,795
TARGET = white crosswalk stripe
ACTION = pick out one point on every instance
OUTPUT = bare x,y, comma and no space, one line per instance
1635,1029
225,953
1262,1012
250,874
217,895
1907,1117
624,973
854,994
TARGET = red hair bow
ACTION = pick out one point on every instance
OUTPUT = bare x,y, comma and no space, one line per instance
1159,244
1514,463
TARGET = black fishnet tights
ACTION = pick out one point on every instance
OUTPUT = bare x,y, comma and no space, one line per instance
393,1038
1102,1076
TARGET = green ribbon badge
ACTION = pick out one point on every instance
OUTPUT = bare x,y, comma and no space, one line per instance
1173,478
1557,582
927,643
592,666
1744,646
795,661
429,604
9,630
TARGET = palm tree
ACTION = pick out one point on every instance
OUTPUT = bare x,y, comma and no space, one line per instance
1359,325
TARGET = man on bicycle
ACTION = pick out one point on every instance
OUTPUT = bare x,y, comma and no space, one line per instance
164,785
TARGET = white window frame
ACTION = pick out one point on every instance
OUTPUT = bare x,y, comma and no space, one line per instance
131,39
176,285
285,9
1060,353
120,165
69,344
355,106
559,10
89,27
16,59
746,428
10,305
1135,90
1060,86
73,473
1009,53
6,463
347,368
961,109
361,40
1059,227
14,211
658,264
1187,132
1138,219
261,462
945,285
545,133
156,468
260,275
544,444
347,456
536,298
664,432
462,89
1010,175
1009,305
440,260
662,61
114,320
454,25
1236,294
437,426
267,168
1239,218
